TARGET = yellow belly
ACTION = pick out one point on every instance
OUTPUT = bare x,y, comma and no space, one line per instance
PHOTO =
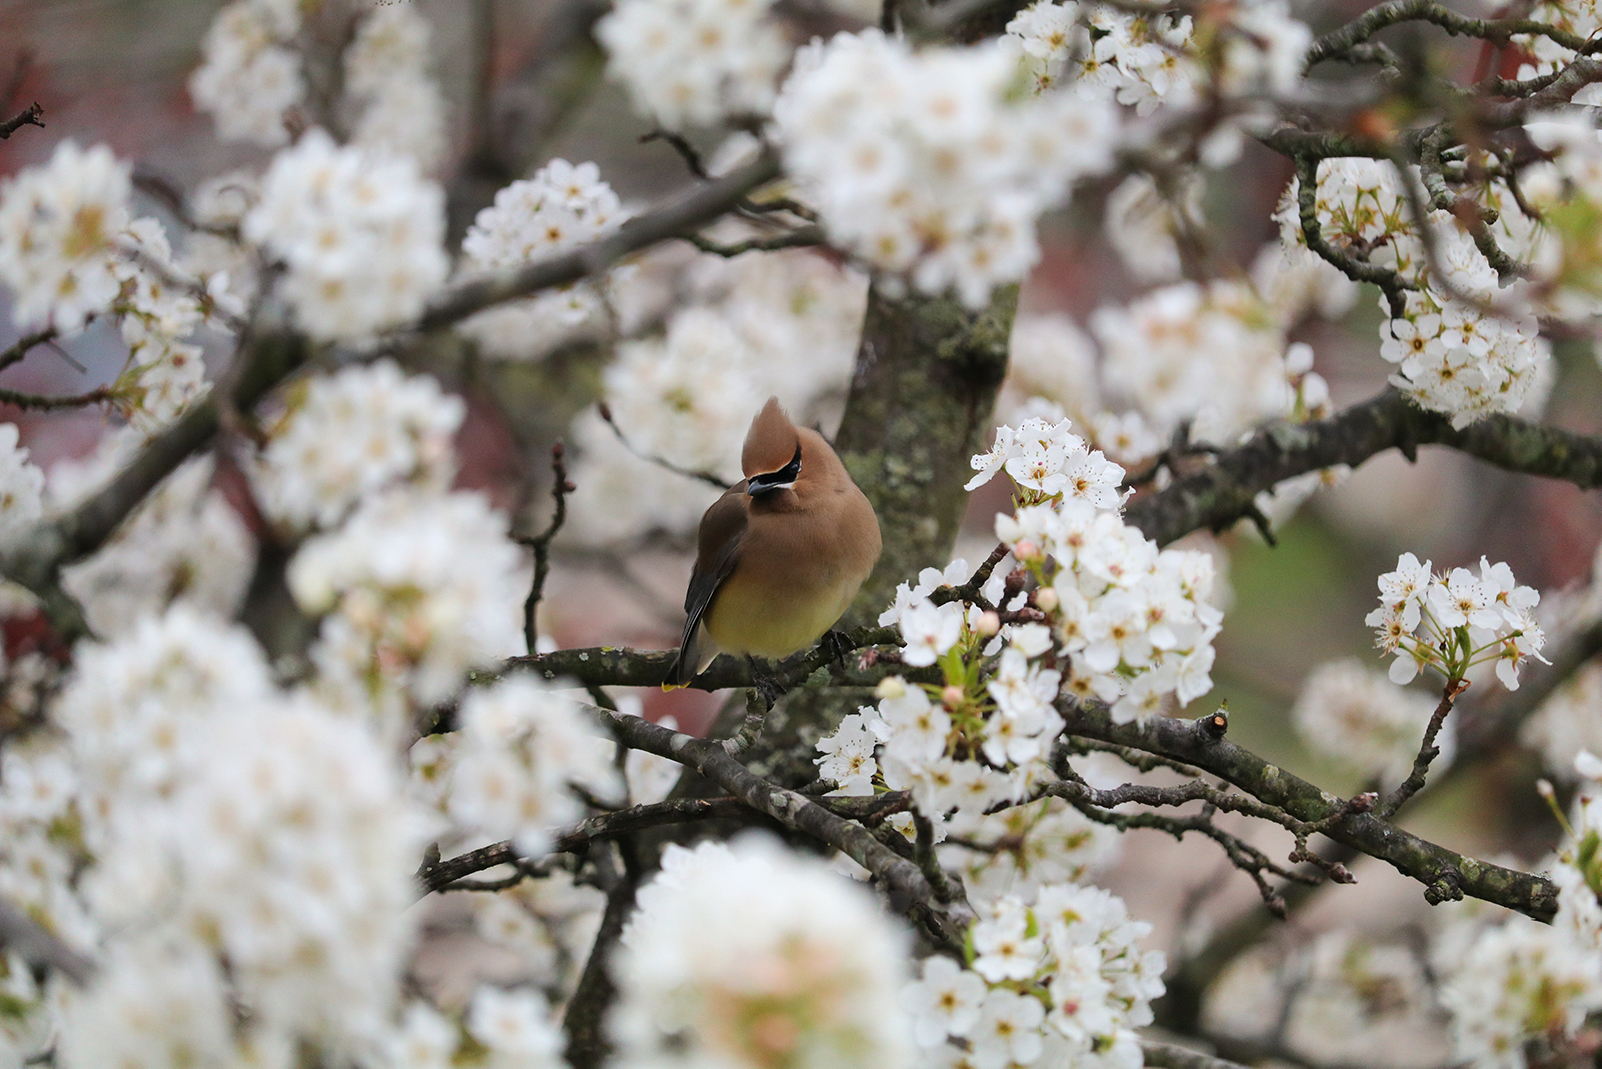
748,617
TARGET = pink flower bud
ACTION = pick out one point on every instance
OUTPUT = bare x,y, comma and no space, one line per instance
989,624
952,696
1046,599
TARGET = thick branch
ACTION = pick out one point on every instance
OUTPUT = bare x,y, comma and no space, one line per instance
1445,874
1378,18
619,666
1222,493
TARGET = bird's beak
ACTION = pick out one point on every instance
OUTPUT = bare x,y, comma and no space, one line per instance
782,479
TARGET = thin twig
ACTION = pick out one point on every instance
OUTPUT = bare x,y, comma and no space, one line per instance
23,345
604,410
541,543
1427,751
50,403
799,238
32,115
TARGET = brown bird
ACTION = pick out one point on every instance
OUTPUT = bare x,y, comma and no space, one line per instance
781,554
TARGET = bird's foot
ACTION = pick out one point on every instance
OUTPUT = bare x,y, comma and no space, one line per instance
836,645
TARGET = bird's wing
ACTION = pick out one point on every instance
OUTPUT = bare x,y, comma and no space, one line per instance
717,552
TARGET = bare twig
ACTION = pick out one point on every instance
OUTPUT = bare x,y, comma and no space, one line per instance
1445,873
799,238
1427,751
541,543
51,403
604,410
23,345
32,115
447,875
908,888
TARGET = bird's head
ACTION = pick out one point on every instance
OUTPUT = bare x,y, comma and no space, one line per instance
771,458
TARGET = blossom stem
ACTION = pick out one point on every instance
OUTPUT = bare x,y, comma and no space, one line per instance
1427,751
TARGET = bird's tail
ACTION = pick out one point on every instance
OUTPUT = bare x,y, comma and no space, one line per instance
695,653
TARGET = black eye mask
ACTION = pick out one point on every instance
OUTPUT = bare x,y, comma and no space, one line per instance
776,480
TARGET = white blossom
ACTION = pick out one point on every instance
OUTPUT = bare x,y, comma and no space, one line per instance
927,164
360,233
343,437
694,62
747,954
563,207
59,224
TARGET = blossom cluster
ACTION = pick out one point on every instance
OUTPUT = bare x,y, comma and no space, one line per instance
204,803
1521,981
1110,617
695,62
394,429
413,590
562,207
749,954
399,107
250,73
1134,621
1466,619
70,250
1151,60
930,164
360,233
1152,353
1451,355
509,766
1058,980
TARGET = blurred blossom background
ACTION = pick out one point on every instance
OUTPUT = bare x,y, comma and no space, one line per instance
708,339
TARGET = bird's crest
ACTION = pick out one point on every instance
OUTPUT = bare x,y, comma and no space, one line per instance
771,443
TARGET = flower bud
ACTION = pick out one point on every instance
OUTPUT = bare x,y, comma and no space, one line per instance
1543,787
989,623
1046,599
1026,551
952,696
891,687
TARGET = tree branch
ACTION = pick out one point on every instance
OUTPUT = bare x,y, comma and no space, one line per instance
1445,874
32,115
35,557
1222,493
25,937
541,543
24,345
437,875
684,213
908,889
619,666
1169,1056
1378,18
